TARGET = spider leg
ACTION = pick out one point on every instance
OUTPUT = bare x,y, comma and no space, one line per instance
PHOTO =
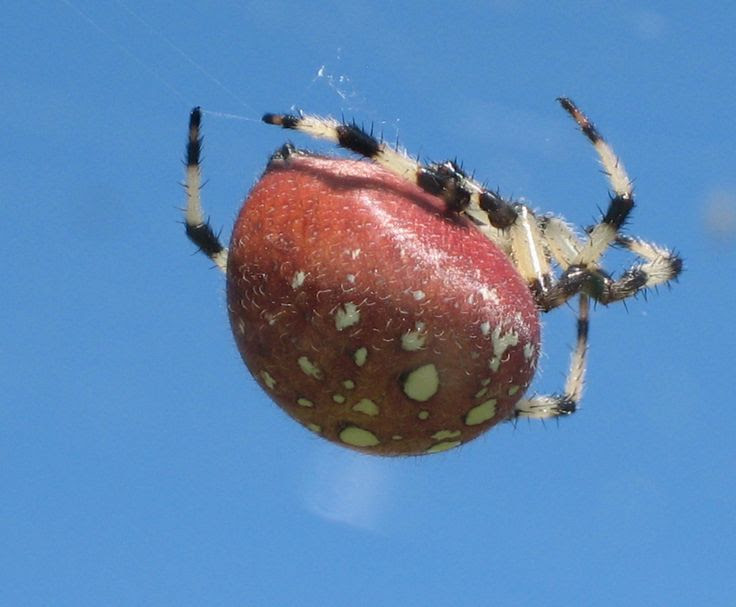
603,234
445,180
579,260
530,249
562,245
529,254
545,406
530,242
512,226
198,228
660,266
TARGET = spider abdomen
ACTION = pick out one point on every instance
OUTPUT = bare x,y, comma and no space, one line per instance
371,315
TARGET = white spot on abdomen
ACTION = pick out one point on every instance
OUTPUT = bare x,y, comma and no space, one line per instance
500,344
360,356
489,295
309,368
346,316
298,279
411,341
268,379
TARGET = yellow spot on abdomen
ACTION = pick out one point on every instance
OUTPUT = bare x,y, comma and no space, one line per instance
439,447
422,383
268,379
358,437
367,406
443,434
481,413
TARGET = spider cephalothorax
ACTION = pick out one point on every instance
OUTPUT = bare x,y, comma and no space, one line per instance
392,307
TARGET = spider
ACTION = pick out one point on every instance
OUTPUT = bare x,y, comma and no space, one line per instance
392,306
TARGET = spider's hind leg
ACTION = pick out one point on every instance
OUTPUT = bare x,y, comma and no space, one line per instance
446,180
198,228
544,406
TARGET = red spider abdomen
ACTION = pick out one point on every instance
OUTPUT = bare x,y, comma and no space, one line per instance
370,315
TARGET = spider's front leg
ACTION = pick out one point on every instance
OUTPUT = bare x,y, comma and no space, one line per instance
660,266
580,260
603,234
552,238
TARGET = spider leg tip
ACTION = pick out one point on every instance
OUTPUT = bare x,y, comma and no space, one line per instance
567,104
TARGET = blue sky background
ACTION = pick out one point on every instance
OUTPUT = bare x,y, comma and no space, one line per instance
139,462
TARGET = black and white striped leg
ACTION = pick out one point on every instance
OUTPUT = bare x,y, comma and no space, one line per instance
512,226
545,406
536,241
563,246
445,180
198,228
660,267
603,234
